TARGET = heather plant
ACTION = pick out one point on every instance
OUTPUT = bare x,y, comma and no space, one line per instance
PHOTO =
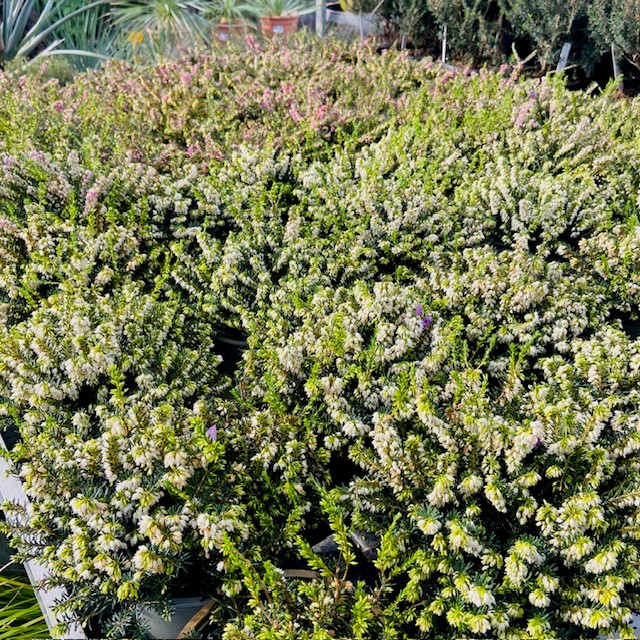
451,436
67,224
289,606
190,109
127,406
432,272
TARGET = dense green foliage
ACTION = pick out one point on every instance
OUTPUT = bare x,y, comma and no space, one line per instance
20,615
31,28
494,31
431,272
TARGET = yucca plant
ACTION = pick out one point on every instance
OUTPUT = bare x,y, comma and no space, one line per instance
283,7
232,19
230,10
26,27
91,31
169,22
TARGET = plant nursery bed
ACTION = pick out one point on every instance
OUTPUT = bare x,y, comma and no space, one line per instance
417,434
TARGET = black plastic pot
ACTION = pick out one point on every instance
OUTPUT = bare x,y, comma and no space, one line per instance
230,344
632,328
11,436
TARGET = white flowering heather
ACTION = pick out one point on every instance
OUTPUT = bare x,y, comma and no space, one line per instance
110,394
520,507
437,278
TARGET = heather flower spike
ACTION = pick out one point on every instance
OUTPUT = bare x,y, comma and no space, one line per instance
212,432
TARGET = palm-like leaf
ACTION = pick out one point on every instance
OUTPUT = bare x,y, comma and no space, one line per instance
231,10
173,21
20,39
284,7
91,31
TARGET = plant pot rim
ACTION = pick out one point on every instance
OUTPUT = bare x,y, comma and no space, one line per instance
223,22
232,341
287,16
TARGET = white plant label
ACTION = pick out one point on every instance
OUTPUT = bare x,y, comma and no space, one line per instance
444,44
614,58
564,56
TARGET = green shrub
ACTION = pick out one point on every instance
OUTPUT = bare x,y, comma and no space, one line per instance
616,22
91,31
463,444
430,270
547,24
472,27
27,24
411,18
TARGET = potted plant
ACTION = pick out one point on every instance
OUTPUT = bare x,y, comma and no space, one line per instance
355,15
231,18
280,17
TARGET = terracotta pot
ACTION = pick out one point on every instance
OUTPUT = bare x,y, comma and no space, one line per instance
278,26
226,31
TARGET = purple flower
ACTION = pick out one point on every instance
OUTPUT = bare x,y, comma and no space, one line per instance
212,432
426,320
537,443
